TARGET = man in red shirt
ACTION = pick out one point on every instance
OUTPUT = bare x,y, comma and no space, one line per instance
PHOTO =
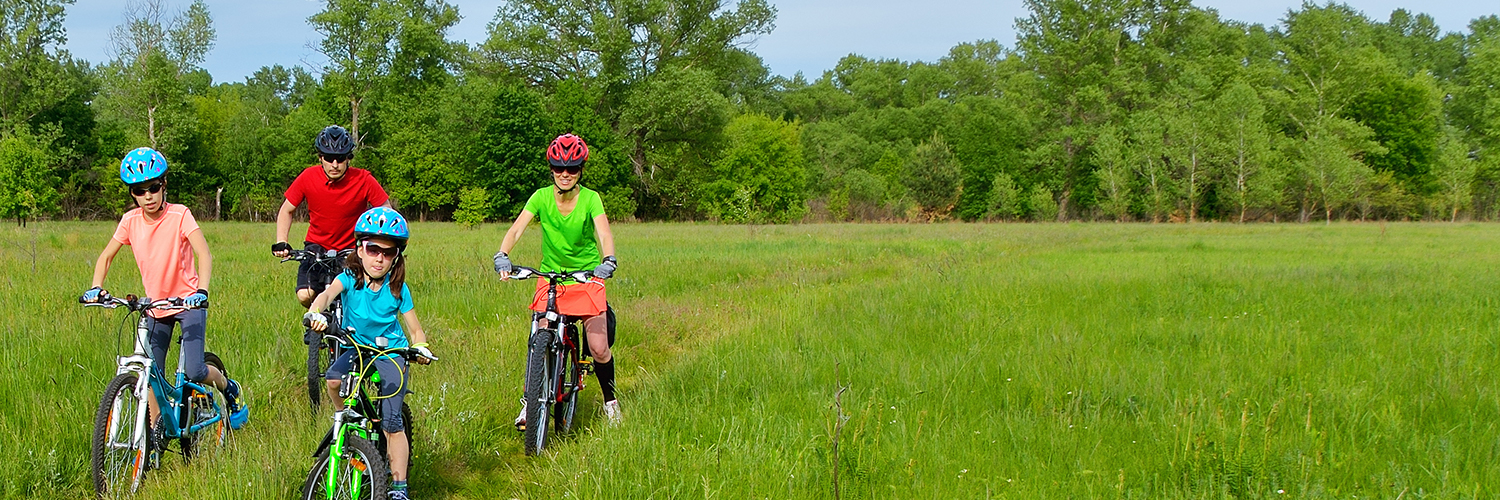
336,195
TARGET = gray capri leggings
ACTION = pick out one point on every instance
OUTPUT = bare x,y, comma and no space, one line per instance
392,377
193,323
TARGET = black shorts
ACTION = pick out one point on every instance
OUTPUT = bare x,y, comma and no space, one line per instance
316,276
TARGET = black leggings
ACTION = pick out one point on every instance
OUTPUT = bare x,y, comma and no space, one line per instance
193,324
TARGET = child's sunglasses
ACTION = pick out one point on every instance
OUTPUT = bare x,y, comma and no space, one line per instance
573,170
374,249
154,187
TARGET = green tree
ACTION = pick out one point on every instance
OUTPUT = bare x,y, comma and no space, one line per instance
373,45
1005,198
34,76
760,177
655,60
473,207
933,177
27,185
1246,146
1043,205
1114,174
1454,173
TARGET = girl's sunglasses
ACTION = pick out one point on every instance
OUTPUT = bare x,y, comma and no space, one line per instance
154,187
336,158
573,170
389,252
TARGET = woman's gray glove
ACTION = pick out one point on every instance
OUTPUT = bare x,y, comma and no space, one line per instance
606,268
502,264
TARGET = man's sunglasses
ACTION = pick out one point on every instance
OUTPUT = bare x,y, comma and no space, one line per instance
573,170
337,158
389,252
154,187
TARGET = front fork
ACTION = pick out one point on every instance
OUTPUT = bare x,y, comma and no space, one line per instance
345,421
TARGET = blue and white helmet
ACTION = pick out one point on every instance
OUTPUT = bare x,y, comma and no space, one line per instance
142,165
384,222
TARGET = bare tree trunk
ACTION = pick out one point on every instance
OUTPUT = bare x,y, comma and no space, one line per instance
219,204
354,103
151,125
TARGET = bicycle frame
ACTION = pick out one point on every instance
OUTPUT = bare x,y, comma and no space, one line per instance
357,405
169,400
559,385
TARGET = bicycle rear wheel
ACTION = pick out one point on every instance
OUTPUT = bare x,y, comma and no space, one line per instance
119,447
361,472
201,408
538,379
564,411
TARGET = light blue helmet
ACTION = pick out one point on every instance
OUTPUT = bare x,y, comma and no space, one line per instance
381,221
142,165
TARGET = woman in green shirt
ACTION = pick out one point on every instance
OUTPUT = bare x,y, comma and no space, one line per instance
575,236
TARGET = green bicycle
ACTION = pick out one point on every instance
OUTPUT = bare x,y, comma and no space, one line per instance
350,461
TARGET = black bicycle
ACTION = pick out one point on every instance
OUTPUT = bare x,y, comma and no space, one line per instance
322,348
557,361
350,462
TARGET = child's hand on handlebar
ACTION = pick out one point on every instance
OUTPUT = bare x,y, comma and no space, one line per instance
424,354
316,321
91,295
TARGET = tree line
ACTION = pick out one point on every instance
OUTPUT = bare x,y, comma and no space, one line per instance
1124,110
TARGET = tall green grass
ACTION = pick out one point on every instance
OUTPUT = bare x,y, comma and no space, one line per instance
878,361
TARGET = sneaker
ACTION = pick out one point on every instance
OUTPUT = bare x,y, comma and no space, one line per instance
612,411
521,419
239,414
399,495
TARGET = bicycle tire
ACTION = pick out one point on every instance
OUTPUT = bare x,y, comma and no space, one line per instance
117,409
411,445
315,369
537,406
216,433
375,477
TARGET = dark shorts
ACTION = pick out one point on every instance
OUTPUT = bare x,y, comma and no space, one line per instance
392,379
193,323
313,275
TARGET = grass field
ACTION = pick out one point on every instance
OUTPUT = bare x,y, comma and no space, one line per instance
858,361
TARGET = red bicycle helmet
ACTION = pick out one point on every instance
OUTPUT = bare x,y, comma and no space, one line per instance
567,150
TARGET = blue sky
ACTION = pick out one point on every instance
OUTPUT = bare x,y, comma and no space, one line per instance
810,35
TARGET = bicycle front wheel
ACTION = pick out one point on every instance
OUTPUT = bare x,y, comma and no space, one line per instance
360,472
317,365
119,448
538,379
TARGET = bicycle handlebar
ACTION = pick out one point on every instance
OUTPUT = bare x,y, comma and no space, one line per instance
139,304
410,353
308,255
523,272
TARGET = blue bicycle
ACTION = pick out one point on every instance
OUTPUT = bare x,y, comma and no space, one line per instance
124,446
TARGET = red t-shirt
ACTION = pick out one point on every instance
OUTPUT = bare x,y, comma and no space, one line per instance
333,207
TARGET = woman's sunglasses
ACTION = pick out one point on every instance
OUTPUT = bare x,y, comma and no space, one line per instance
389,252
336,158
573,170
154,187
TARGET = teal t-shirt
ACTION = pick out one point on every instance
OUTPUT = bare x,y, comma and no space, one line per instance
373,313
568,241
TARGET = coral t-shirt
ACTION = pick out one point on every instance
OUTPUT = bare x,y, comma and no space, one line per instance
333,207
162,252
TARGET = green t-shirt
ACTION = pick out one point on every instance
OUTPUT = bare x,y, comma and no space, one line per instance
568,241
